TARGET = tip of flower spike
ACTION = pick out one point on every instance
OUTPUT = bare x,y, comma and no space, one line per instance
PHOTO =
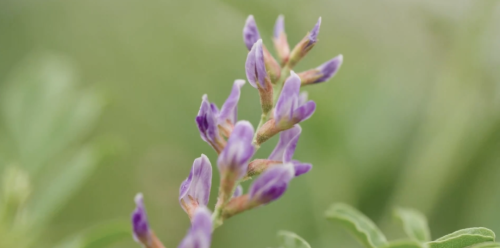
329,68
279,27
250,32
313,36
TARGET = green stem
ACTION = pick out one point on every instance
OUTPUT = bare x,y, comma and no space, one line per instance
263,119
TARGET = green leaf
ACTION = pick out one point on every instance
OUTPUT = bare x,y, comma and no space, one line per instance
358,224
292,240
51,198
414,224
403,244
99,237
464,238
486,245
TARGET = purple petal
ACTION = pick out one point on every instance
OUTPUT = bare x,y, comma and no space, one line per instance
250,32
329,68
140,223
301,168
200,233
255,66
304,112
271,184
238,151
229,109
279,27
197,185
238,191
303,98
288,99
286,145
207,121
313,36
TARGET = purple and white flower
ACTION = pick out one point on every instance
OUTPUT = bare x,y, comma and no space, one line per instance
200,233
271,185
255,67
289,109
140,226
195,190
285,149
233,160
250,32
323,72
210,120
305,45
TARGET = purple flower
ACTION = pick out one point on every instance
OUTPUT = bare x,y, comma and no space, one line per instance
271,184
323,72
140,225
279,26
285,149
304,46
234,159
313,35
210,120
195,190
200,233
255,66
250,32
289,110
229,112
207,124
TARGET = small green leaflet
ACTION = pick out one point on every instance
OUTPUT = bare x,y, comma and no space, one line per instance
464,238
358,224
486,245
414,224
291,240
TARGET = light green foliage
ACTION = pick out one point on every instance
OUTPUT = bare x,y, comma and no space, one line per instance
403,244
99,237
464,238
414,224
358,224
486,245
44,117
291,240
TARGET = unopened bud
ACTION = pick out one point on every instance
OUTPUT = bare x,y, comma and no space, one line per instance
280,40
322,73
304,46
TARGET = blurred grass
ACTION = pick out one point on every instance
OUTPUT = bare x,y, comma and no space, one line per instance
412,118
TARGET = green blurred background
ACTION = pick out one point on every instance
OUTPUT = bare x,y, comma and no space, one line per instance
412,119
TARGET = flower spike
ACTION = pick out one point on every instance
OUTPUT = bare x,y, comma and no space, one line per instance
195,190
322,73
200,233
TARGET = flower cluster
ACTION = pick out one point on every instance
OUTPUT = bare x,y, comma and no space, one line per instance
236,141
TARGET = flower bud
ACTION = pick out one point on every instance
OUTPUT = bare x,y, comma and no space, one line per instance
250,32
257,76
280,40
303,47
207,121
195,190
229,112
322,73
200,233
140,225
233,160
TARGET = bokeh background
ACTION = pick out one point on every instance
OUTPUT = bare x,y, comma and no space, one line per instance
98,100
